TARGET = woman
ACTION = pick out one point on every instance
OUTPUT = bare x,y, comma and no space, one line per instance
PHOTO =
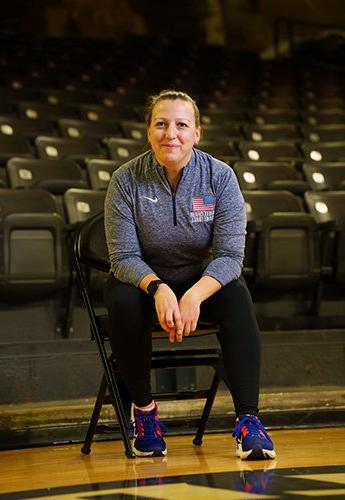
175,226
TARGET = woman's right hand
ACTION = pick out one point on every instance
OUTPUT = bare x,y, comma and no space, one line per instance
168,312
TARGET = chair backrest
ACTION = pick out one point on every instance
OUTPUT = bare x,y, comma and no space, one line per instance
82,204
53,175
90,246
124,149
61,148
284,237
271,132
77,129
324,151
325,176
270,151
32,245
269,175
39,111
100,171
323,133
328,209
13,127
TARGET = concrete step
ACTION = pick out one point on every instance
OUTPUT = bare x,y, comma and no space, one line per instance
50,422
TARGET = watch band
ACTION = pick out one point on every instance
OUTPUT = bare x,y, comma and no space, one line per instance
153,286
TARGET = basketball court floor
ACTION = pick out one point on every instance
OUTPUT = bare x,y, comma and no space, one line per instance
310,463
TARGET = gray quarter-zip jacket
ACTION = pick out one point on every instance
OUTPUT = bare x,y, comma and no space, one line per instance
198,230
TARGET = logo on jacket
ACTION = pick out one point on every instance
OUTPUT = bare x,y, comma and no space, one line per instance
203,208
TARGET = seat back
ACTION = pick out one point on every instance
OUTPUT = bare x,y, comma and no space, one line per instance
100,171
325,176
269,175
124,149
53,175
82,204
270,151
57,148
324,151
285,239
32,245
328,210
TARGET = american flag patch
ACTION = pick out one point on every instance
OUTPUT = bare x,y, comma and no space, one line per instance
203,203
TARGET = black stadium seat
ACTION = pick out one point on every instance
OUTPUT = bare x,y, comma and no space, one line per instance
55,148
284,236
324,151
39,111
81,204
53,175
81,129
100,171
124,149
270,151
271,132
33,251
325,176
269,175
15,127
328,210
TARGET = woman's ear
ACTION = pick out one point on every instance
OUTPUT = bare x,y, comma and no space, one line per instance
197,135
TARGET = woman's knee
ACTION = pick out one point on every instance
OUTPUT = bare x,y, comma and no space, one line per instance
236,292
123,297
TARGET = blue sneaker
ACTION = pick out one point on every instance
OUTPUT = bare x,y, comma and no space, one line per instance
252,440
148,431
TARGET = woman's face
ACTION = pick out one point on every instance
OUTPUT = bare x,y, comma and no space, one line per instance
172,132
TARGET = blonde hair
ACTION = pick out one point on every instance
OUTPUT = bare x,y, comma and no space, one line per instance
170,94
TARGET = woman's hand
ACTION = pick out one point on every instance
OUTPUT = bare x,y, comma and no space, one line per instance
168,312
190,310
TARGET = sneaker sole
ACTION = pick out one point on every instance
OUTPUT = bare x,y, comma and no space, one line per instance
154,453
256,454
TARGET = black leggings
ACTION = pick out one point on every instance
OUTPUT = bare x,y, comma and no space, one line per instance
132,312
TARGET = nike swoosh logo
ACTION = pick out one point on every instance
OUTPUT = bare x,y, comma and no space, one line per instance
154,200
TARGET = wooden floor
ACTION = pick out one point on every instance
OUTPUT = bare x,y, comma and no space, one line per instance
197,472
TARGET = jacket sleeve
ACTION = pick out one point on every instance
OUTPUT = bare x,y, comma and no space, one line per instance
121,235
229,230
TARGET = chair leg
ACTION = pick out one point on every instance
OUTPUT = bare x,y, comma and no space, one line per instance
86,448
115,395
207,409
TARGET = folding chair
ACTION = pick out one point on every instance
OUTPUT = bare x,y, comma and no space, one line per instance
90,252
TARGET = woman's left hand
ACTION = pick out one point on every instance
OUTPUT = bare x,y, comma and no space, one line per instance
189,306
